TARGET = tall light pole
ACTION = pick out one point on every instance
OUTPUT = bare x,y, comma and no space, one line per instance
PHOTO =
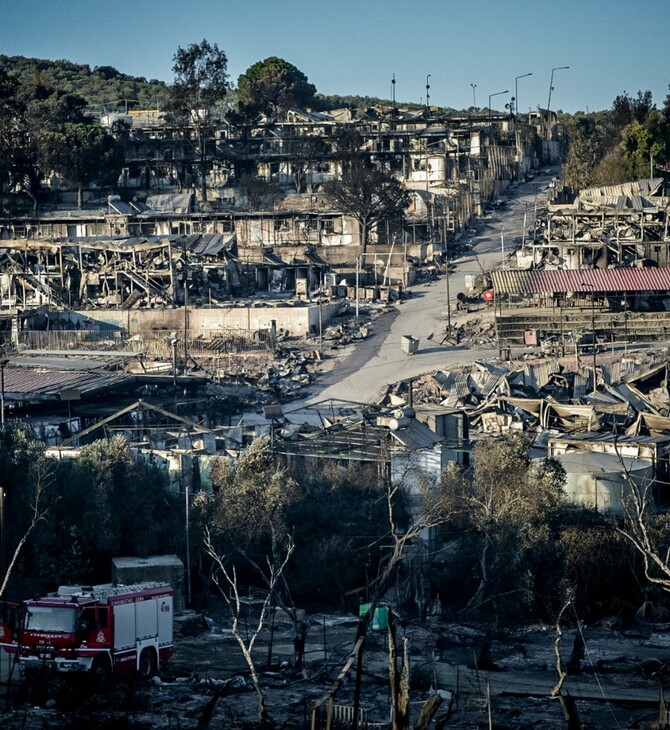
427,93
551,83
474,96
593,329
496,94
3,364
516,88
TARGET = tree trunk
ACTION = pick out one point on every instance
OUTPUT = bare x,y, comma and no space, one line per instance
477,599
364,237
569,712
80,196
403,694
203,168
393,671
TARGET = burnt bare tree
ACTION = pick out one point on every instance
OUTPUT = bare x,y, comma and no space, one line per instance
224,576
200,83
369,195
43,478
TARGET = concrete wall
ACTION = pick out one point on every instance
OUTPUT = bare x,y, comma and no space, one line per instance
296,320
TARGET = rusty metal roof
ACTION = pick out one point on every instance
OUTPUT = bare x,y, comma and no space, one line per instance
583,281
44,385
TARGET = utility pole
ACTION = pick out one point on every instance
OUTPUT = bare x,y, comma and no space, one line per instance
358,274
3,365
496,94
593,330
474,96
551,83
516,88
446,276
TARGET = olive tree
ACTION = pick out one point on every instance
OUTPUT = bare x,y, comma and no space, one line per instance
502,506
82,152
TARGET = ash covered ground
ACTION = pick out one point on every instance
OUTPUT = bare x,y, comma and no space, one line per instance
511,672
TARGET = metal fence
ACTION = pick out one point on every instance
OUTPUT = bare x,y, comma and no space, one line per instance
155,343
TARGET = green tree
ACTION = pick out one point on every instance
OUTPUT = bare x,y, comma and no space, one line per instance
200,84
10,120
107,502
250,498
640,145
338,524
612,169
103,87
584,152
369,195
503,506
243,524
272,86
82,153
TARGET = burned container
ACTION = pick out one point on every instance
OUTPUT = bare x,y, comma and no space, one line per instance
410,345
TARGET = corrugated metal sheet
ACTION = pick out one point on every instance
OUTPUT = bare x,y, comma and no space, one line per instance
581,384
634,397
616,371
538,375
416,436
40,385
208,244
609,438
647,186
583,281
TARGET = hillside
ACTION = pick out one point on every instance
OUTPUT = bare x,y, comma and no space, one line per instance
103,87
106,89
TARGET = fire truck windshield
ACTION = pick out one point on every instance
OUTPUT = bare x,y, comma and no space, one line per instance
55,619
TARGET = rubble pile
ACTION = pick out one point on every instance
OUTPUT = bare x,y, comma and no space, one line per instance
631,398
280,377
345,333
290,372
478,332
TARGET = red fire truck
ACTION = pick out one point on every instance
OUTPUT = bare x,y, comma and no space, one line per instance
101,629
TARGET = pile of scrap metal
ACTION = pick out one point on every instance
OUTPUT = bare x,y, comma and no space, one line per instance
619,225
631,398
284,378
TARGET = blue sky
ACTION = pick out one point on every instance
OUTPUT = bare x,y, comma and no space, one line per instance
355,46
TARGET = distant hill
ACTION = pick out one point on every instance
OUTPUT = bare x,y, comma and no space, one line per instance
103,87
108,90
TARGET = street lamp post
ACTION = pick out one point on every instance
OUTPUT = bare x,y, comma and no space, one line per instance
516,88
427,93
551,83
593,329
3,363
496,94
474,96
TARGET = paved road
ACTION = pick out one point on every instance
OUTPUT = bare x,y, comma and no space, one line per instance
377,362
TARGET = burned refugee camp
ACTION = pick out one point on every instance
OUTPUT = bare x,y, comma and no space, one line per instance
334,391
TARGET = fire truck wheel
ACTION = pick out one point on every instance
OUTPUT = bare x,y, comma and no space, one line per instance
101,671
147,667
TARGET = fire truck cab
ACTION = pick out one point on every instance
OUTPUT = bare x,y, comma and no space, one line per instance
100,629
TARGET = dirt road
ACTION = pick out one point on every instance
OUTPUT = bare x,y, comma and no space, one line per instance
377,362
